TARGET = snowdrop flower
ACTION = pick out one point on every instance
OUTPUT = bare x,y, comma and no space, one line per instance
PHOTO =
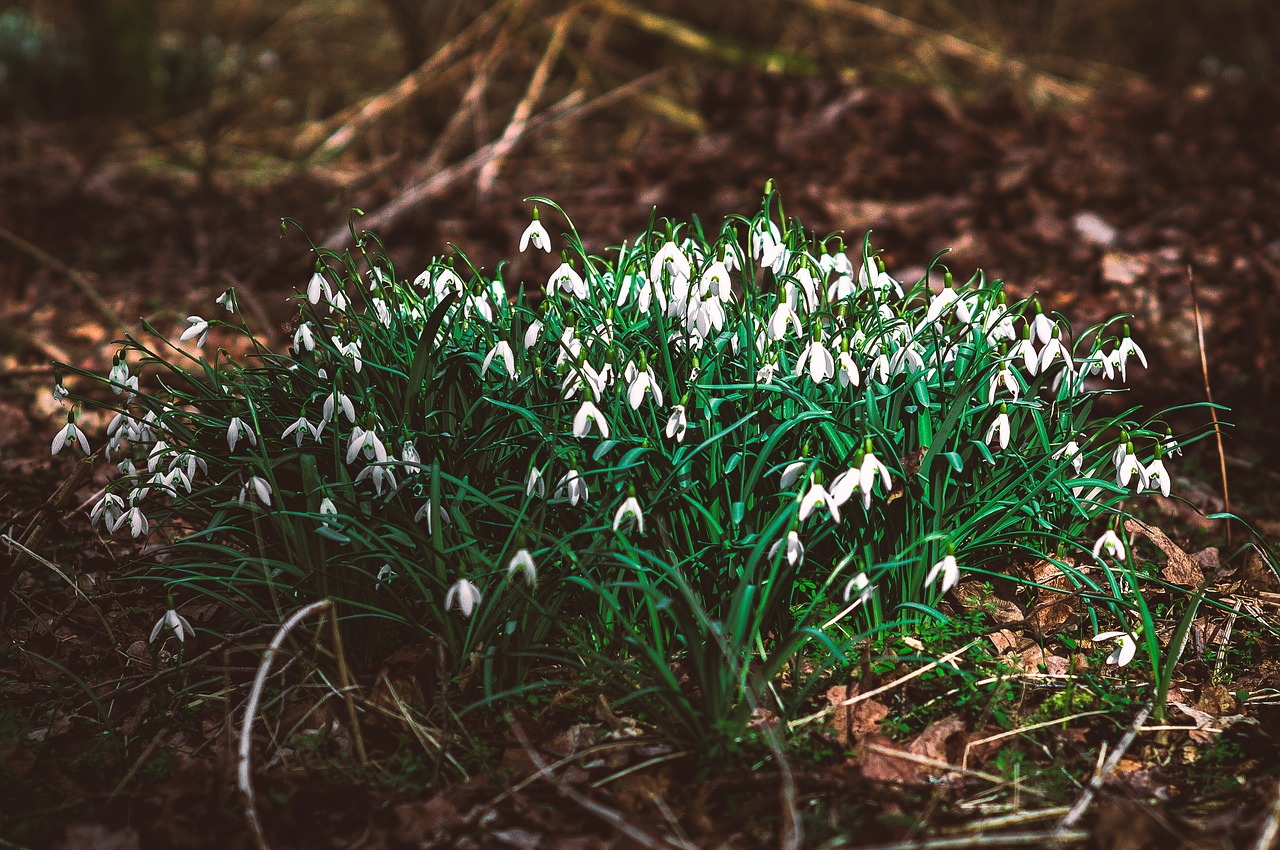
300,427
860,585
795,549
587,414
567,280
1171,447
818,495
847,370
783,315
235,429
939,304
501,349
303,338
1123,653
318,286
199,328
534,485
1110,543
259,487
431,513
227,300
948,569
1071,452
873,276
669,259
641,379
181,627
1127,466
844,485
465,594
871,467
138,525
629,515
337,399
715,281
999,429
1004,378
68,435
119,375
1043,328
765,374
522,561
1027,351
571,486
532,333
1127,348
107,510
1054,348
820,362
327,509
536,235
791,473
1158,476
677,424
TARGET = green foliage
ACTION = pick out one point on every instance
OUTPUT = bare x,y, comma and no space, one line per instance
692,458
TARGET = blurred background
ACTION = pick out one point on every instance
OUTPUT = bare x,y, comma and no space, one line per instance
1100,152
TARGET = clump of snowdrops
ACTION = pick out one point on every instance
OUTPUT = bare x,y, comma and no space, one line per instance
689,458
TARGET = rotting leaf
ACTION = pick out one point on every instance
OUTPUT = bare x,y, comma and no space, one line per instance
1180,568
1054,604
854,722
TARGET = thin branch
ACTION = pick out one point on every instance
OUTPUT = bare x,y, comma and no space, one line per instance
1081,805
244,778
77,277
1208,394
1269,835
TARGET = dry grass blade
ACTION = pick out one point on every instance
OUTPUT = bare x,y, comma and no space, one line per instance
1082,803
244,776
520,117
1208,394
1002,839
1041,86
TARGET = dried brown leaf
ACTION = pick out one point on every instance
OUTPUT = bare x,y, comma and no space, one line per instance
854,722
1180,568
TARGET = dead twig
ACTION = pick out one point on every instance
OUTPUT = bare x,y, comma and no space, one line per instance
244,778
571,105
533,93
609,815
1002,839
1082,803
77,277
1269,835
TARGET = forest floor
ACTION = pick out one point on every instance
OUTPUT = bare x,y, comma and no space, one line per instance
1111,208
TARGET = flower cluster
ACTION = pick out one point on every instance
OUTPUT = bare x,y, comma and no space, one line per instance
715,400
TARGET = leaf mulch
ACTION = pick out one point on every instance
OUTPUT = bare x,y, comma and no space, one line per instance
107,741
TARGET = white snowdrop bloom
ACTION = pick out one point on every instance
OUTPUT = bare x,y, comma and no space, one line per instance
300,428
791,474
715,281
650,291
431,514
199,328
534,485
339,303
819,361
1124,652
1054,348
1027,351
817,496
1122,354
871,469
532,333
671,260
138,525
70,434
763,235
1158,476
318,286
227,301
809,286
1110,543
766,373
1043,328
350,349
478,305
967,309
465,595
382,476
860,586
677,424
905,360
119,377
783,315
1004,378
847,370
1128,466
938,305
880,369
522,562
842,287
445,282
998,326
948,569
587,415
1070,451
501,349
171,618
382,311
237,428
794,549
303,338
640,381
410,460
570,346
385,576
258,487
337,400
878,280
1097,363
999,429
628,516
566,279
328,508
844,485
573,487
107,510
1171,447
536,235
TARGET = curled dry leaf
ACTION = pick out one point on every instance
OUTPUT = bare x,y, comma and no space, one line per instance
853,722
1053,606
